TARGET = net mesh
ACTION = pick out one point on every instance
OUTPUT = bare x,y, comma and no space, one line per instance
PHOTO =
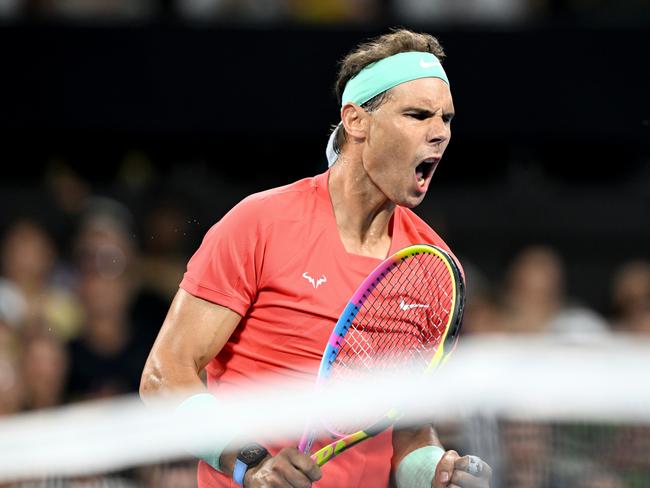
543,414
548,454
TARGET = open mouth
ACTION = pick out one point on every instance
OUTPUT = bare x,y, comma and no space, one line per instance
425,169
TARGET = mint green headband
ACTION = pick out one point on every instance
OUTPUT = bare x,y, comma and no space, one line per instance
384,74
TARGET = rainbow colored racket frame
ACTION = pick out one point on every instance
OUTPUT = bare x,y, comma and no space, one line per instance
446,343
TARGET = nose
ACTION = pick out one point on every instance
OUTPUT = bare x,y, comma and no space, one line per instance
439,131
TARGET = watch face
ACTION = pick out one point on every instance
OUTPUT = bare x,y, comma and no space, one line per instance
252,454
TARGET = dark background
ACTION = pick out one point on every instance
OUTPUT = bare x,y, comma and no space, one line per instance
550,141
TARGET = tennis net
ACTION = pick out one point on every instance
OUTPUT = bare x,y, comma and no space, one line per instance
542,412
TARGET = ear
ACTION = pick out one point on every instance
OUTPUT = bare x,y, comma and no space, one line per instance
355,121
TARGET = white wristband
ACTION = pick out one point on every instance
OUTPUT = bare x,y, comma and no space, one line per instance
418,468
202,404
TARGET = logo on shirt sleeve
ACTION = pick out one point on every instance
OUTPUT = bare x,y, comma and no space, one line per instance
315,282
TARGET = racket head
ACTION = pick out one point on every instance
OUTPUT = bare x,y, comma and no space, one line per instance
407,312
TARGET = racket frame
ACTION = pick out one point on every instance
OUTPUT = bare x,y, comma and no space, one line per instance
337,339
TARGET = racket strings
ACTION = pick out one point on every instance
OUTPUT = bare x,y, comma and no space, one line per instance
422,301
402,319
400,324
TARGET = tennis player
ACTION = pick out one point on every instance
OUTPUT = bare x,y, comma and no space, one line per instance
265,288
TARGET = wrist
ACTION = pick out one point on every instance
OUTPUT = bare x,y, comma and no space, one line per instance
250,473
202,405
248,457
418,468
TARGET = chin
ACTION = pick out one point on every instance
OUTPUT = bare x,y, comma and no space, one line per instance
411,202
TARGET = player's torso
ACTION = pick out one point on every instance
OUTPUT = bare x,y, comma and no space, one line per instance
306,281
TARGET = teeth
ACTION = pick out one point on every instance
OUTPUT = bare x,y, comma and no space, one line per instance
421,181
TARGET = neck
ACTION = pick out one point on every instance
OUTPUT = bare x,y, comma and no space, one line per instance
362,211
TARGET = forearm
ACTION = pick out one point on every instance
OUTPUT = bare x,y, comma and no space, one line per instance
408,439
193,333
227,460
165,377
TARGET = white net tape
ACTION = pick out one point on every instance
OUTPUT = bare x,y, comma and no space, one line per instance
531,379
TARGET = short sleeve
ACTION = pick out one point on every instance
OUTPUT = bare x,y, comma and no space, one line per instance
225,268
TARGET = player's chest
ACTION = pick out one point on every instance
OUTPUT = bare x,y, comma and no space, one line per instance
310,284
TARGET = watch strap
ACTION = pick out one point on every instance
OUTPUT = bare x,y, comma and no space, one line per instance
239,472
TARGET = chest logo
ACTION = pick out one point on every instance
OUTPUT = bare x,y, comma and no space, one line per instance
315,282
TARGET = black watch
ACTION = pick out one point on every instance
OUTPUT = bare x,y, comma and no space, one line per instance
249,456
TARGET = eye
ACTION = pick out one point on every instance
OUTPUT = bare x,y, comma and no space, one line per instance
446,118
419,115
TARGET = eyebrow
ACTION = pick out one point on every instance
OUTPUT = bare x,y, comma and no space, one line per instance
419,110
428,112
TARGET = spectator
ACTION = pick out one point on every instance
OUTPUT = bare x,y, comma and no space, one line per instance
13,308
527,450
105,359
260,10
535,299
482,308
113,344
631,297
11,390
106,245
335,10
28,261
466,11
12,312
44,366
163,260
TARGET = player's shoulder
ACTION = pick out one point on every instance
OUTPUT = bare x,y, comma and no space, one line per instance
419,231
282,194
279,202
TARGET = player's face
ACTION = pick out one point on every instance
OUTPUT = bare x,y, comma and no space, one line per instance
406,138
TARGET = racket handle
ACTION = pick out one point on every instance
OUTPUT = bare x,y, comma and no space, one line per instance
305,443
332,450
335,448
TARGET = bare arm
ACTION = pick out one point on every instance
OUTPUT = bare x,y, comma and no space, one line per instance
193,333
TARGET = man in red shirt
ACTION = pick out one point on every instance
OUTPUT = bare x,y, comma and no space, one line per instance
262,293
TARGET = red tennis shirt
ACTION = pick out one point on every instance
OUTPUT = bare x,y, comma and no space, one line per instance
277,260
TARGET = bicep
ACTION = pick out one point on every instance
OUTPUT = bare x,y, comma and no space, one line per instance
193,333
196,329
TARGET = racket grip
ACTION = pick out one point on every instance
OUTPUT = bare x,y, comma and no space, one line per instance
332,450
305,443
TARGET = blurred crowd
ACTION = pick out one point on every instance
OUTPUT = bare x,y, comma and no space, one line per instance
81,301
533,298
85,285
327,11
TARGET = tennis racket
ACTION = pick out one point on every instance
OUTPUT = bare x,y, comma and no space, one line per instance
406,313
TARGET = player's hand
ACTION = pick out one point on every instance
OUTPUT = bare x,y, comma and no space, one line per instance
287,469
454,471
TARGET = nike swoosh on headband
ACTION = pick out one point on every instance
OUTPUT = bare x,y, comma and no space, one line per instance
426,64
